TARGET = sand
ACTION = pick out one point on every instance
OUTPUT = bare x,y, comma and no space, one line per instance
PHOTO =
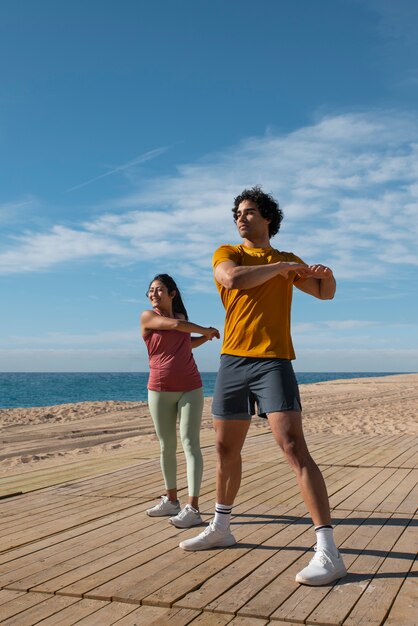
44,436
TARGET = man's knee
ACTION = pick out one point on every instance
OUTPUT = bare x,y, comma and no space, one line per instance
295,450
226,450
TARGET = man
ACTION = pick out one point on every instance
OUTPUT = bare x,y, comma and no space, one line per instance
255,283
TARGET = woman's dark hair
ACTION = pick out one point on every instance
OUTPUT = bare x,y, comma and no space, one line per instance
178,306
266,204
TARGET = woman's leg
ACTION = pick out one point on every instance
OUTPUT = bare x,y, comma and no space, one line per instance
190,408
163,409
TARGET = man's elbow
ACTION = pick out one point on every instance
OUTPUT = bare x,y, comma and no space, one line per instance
229,281
327,295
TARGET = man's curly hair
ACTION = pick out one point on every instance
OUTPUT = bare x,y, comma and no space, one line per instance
266,204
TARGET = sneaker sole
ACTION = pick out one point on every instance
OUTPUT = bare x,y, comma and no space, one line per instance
162,514
226,543
188,525
322,581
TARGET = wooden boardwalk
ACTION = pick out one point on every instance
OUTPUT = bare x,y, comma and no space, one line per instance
77,548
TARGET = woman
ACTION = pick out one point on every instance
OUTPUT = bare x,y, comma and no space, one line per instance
175,390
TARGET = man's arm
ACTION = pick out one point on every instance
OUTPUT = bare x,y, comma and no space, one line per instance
234,276
320,282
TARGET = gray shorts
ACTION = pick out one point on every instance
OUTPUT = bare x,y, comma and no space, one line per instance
244,382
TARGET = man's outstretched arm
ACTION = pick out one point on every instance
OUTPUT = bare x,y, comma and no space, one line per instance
233,276
320,282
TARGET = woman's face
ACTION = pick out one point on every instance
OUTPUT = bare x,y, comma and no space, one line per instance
159,296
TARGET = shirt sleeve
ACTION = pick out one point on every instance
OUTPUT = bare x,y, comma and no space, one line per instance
295,259
226,253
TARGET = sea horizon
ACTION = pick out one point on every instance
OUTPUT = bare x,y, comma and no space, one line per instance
36,389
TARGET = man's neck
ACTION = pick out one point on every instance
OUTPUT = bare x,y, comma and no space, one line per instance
257,243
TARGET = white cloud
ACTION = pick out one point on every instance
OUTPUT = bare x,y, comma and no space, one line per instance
309,327
121,168
54,339
357,360
348,185
75,360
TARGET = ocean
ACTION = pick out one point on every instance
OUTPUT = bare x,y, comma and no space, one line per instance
38,389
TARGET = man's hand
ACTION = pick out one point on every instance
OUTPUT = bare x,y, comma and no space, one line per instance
300,269
319,271
319,282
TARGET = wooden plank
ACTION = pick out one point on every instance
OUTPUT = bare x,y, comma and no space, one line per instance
148,616
375,603
408,457
405,607
110,613
209,619
33,481
40,531
250,621
40,611
247,621
282,567
75,532
6,595
354,497
20,603
79,569
337,605
207,580
409,505
171,564
400,494
380,493
268,601
43,559
77,611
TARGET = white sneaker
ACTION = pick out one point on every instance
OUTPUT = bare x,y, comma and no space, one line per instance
323,568
187,518
211,537
164,507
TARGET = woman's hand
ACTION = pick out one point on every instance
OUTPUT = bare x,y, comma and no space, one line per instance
210,333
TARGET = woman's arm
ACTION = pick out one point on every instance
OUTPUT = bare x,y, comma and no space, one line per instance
198,341
152,321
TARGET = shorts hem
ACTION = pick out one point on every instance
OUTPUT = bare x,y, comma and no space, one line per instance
232,416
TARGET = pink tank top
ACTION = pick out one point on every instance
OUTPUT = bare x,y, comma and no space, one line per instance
171,362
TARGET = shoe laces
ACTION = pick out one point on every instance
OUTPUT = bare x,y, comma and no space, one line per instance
321,556
162,502
183,513
209,528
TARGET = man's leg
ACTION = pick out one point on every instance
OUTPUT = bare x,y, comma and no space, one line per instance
327,565
287,430
230,437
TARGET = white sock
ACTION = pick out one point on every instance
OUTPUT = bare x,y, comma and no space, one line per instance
222,516
325,539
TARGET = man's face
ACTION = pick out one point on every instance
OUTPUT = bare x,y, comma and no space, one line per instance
250,223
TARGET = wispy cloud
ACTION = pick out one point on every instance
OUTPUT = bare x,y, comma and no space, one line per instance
147,156
348,185
9,211
96,339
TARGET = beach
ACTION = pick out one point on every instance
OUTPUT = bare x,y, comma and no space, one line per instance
47,436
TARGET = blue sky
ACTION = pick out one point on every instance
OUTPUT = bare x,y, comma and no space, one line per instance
126,130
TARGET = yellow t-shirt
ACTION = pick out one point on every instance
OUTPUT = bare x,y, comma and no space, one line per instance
257,322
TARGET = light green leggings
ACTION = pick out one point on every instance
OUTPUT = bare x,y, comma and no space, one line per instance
164,407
